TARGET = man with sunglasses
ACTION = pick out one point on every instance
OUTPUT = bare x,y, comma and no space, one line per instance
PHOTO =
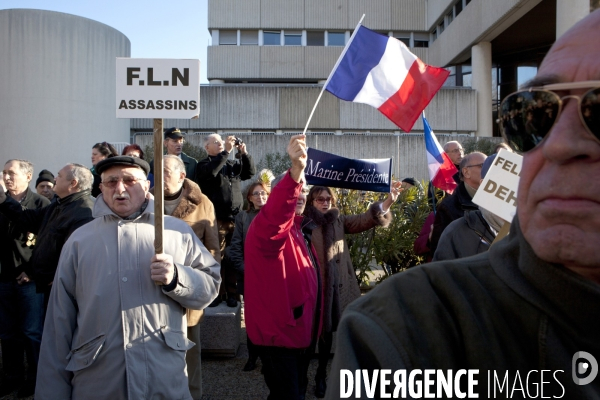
116,322
454,206
528,309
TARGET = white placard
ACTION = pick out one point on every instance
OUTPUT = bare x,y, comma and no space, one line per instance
498,191
158,88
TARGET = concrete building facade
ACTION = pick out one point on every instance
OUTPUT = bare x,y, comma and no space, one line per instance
269,59
57,87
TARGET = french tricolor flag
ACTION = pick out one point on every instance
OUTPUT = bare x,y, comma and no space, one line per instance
380,71
441,167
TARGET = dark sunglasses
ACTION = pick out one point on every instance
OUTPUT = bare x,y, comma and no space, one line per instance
527,116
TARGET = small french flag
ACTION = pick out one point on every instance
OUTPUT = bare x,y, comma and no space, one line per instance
380,71
441,168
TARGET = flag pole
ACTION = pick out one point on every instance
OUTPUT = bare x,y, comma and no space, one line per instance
332,71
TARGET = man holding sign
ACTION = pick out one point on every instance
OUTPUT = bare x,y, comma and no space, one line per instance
111,332
525,312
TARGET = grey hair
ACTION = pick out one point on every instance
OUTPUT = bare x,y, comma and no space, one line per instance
179,165
278,179
206,138
25,166
465,161
82,175
449,143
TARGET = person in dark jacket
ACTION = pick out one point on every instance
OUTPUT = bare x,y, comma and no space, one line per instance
257,195
21,308
134,150
220,179
100,151
471,234
454,206
340,286
174,141
523,316
54,223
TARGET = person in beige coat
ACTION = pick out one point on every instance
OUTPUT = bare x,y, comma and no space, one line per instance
184,200
116,321
340,286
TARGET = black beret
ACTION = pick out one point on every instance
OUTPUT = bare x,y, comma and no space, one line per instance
173,133
410,181
45,176
122,160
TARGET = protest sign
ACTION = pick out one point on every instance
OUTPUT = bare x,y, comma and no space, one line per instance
158,88
498,191
327,169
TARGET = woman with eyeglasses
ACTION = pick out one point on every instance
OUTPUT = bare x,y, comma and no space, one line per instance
100,151
257,196
340,286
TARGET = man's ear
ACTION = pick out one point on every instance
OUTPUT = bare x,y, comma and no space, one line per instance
181,176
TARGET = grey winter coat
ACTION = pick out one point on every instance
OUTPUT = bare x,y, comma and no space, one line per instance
110,332
340,287
464,237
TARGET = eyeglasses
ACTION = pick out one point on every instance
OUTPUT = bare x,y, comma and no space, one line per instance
526,117
216,142
323,200
475,165
127,181
261,194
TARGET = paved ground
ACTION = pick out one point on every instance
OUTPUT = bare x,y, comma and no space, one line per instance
223,378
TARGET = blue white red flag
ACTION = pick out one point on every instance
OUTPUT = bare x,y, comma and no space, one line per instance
380,71
441,167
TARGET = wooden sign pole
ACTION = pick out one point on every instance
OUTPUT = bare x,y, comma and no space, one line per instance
158,187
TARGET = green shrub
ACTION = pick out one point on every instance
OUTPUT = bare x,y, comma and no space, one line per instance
391,247
278,163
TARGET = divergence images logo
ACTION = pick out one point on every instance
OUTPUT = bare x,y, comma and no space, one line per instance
584,364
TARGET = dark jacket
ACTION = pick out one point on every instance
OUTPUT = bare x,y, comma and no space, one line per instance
220,179
422,243
96,184
53,225
451,208
190,167
465,237
502,310
17,242
340,287
234,254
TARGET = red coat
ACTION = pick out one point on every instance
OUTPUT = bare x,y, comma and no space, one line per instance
280,278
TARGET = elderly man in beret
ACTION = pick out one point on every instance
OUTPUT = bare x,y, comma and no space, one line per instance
116,321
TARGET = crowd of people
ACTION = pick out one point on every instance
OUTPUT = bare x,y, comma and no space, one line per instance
99,314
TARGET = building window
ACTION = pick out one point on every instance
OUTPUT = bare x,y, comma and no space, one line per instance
227,38
457,8
404,37
249,38
449,18
315,38
272,38
440,28
292,38
421,40
467,2
336,39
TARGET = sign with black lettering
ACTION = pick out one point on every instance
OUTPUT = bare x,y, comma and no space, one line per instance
498,191
158,88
